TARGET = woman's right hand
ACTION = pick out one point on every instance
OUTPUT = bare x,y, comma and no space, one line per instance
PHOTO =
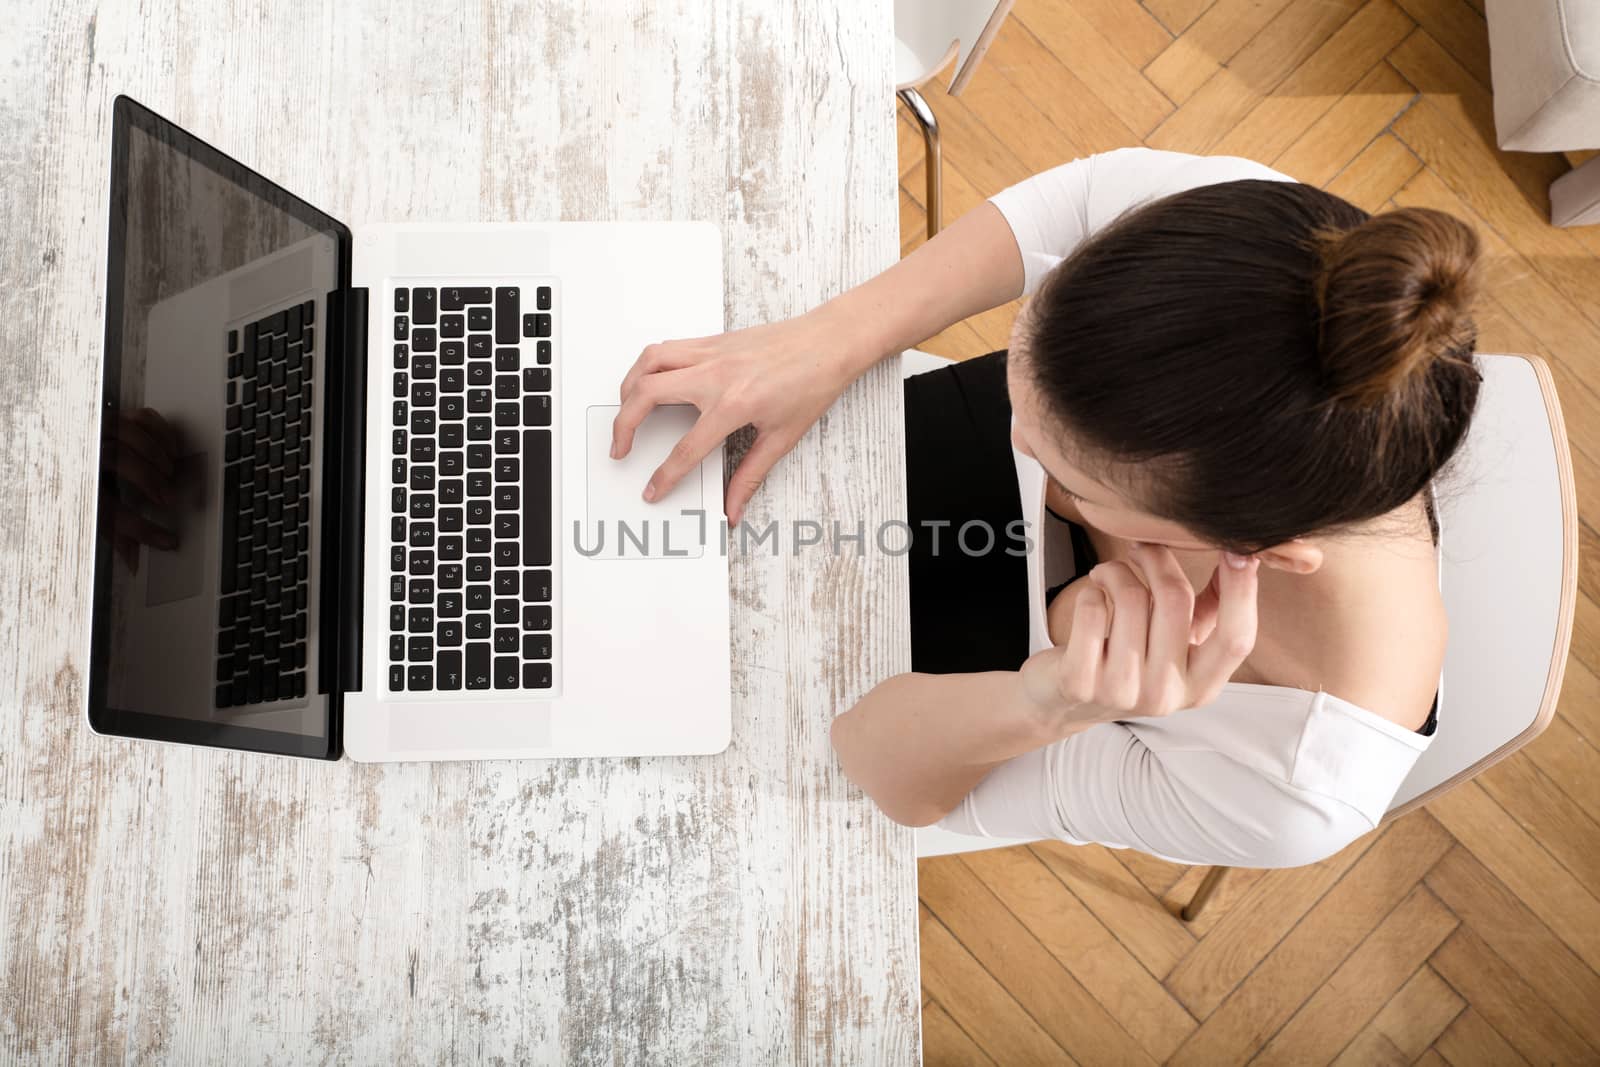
779,377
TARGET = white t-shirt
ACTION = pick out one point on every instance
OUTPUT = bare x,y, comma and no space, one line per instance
1263,776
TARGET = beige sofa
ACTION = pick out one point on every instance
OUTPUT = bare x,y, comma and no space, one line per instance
1544,56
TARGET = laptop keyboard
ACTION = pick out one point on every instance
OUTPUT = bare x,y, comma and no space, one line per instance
266,510
471,588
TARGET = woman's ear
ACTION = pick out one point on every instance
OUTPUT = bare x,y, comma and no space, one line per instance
1295,557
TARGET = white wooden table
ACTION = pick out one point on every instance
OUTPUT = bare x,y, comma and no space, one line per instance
177,905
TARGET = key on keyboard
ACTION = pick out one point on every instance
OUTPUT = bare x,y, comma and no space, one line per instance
471,518
266,510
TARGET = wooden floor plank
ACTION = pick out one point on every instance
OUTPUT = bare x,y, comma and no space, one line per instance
946,1044
1585,654
1522,863
1526,945
1565,830
1291,973
1507,1002
1131,30
977,1003
1448,86
1011,117
1381,170
1158,940
1579,704
1371,1049
1500,331
1081,48
1208,45
1257,923
1431,1058
1415,1016
1085,948
1472,1042
1058,93
1177,15
1358,989
1571,763
1013,956
1348,128
913,223
1271,56
1317,84
1462,31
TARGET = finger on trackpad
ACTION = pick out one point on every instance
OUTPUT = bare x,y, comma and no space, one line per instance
619,522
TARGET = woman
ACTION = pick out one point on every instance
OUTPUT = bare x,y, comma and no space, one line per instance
1241,389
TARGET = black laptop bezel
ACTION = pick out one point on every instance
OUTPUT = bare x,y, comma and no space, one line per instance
340,529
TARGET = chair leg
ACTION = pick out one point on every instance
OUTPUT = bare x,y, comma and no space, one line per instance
932,161
1208,885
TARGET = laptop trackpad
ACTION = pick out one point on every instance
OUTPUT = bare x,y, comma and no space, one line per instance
620,524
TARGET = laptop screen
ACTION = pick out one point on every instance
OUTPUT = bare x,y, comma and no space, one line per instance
209,577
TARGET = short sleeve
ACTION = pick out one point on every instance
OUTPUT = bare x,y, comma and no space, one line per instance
1105,786
1053,211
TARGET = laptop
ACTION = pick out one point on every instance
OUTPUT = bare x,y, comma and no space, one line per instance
356,494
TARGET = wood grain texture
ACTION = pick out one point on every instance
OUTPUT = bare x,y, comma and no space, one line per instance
1209,44
165,904
1416,1015
1044,988
1507,1002
1472,1042
1517,936
1342,1007
1083,945
1310,954
1232,92
1255,924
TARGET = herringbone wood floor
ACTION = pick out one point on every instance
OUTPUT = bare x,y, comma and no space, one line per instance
1465,933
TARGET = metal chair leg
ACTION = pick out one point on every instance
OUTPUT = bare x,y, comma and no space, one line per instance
1208,885
932,160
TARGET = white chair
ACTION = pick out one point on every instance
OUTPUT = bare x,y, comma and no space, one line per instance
928,34
1508,513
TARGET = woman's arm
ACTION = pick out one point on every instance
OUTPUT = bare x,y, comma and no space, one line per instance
917,743
970,266
780,377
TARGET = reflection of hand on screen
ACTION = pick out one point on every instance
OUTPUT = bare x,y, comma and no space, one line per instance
140,470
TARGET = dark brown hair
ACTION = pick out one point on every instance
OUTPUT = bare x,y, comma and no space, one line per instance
1261,360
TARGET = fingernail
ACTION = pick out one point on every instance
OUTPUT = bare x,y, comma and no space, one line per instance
613,448
650,491
1238,563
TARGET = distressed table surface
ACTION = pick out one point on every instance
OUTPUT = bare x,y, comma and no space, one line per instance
164,904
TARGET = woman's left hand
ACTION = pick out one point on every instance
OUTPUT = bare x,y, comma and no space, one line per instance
1156,656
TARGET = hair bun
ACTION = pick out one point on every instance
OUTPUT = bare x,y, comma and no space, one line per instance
1393,294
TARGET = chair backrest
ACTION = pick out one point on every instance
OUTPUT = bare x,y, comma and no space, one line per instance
928,33
1508,517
